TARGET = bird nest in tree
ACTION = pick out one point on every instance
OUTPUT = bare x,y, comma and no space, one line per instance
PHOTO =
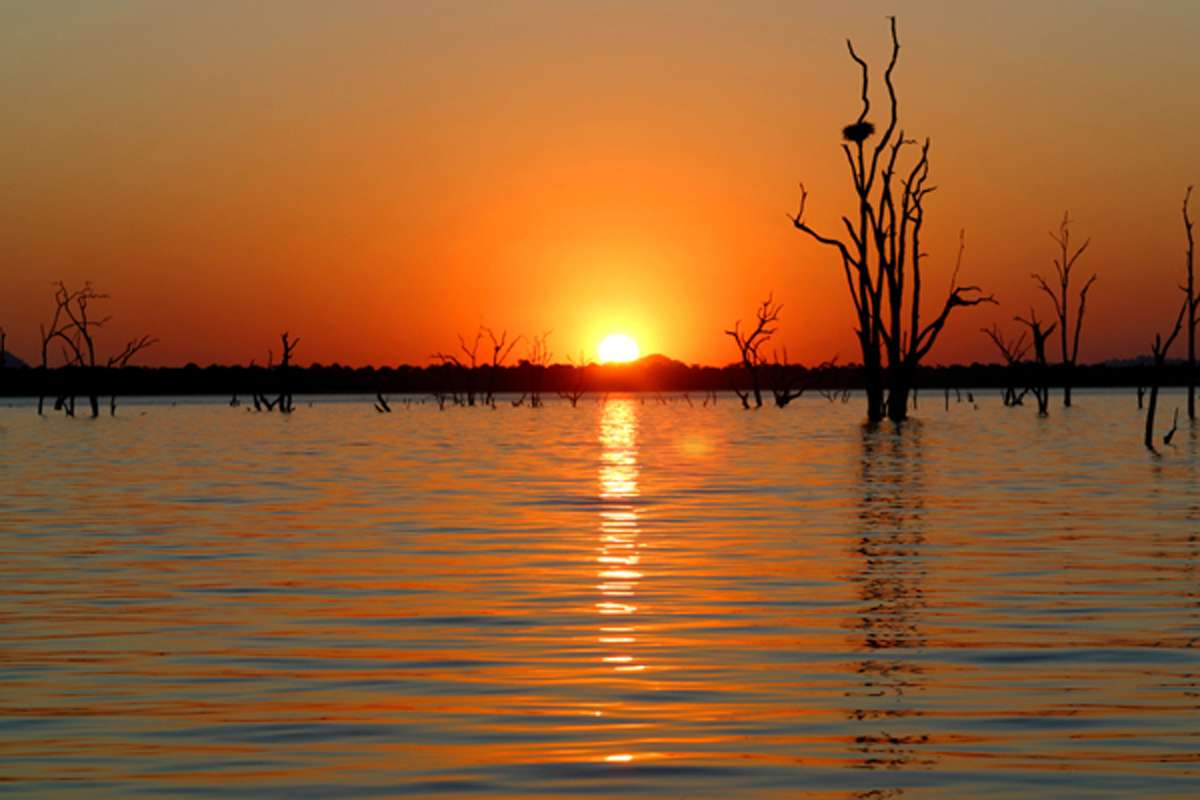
858,132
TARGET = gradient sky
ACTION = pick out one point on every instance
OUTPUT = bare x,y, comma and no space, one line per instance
375,177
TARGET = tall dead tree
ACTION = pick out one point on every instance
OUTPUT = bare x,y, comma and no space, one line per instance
1060,296
1012,351
748,344
881,255
1192,301
1160,348
1039,384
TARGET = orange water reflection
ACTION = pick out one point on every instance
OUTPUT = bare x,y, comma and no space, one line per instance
619,550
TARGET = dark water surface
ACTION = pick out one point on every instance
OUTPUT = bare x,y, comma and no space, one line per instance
622,599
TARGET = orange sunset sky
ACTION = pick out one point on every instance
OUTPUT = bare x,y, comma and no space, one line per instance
377,176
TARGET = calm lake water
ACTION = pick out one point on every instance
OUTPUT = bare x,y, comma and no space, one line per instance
627,598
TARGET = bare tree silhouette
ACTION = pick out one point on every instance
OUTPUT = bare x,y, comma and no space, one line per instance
1013,351
501,348
121,360
767,316
1041,390
1192,302
535,366
74,328
882,257
466,368
784,380
284,402
1060,296
577,387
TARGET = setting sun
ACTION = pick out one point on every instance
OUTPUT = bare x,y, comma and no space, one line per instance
617,348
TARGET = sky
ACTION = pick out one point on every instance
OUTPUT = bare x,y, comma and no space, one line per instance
377,177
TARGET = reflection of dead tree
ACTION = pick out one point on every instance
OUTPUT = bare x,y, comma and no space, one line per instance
1160,350
578,385
1060,296
500,353
889,624
882,256
1013,351
748,344
1040,388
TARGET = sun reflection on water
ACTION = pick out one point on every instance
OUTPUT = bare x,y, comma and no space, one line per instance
618,554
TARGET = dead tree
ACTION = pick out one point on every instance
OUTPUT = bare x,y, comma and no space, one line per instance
534,368
1060,296
284,402
501,348
1193,301
121,360
1040,387
74,329
784,380
1160,348
1013,351
748,343
468,369
881,255
578,385
381,404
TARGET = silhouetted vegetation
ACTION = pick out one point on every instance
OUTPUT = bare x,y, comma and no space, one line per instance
882,257
1061,297
74,329
748,345
1192,300
1013,352
578,385
652,374
785,380
1040,375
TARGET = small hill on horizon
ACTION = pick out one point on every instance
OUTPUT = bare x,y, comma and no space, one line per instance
11,361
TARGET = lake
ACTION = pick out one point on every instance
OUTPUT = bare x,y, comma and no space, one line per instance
632,597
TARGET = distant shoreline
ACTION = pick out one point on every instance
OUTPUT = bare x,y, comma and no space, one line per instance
659,375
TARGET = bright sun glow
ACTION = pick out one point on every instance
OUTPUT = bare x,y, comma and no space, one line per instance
619,348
